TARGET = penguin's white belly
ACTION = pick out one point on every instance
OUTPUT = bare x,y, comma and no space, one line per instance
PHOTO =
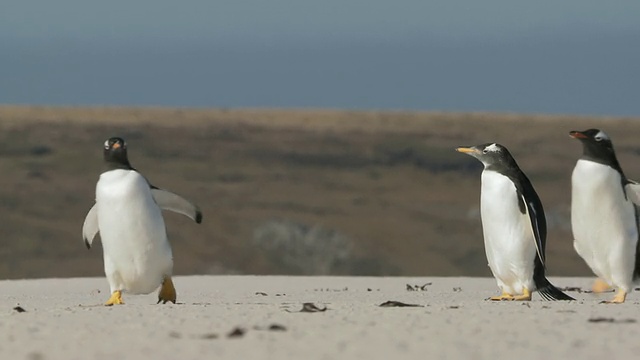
603,223
508,236
137,254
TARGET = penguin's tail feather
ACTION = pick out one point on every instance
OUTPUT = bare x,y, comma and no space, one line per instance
552,293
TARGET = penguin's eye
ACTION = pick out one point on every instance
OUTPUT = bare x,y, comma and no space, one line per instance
598,138
485,151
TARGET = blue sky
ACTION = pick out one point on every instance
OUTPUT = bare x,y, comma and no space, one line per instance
571,56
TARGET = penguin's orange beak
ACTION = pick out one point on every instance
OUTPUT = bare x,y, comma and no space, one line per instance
577,135
115,146
466,150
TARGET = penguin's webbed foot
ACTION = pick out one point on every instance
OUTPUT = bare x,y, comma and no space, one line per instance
620,297
600,286
167,291
526,296
115,299
503,297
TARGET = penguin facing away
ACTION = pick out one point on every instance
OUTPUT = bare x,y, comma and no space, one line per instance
513,225
127,213
604,215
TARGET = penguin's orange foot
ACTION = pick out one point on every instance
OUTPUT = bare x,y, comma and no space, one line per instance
115,299
600,286
526,296
503,297
167,291
620,297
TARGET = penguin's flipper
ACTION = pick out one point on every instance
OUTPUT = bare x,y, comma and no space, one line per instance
90,226
538,224
632,188
167,200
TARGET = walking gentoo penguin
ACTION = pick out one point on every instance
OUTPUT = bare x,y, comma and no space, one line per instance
127,213
514,226
604,219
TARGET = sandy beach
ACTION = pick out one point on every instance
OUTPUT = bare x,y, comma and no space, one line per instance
258,317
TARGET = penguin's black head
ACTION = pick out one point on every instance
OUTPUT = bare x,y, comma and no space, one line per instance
492,155
596,145
115,153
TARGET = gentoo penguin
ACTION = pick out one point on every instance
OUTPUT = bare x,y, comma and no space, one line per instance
604,219
513,225
127,213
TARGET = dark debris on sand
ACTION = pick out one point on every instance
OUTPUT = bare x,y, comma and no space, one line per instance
310,308
418,287
236,332
393,303
611,320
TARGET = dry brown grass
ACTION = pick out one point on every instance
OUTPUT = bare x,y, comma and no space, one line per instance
390,181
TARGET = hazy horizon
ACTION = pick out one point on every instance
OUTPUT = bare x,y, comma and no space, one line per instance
547,57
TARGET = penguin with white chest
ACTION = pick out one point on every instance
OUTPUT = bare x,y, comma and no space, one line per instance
604,217
513,225
127,213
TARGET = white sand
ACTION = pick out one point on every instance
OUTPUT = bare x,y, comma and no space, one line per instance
64,320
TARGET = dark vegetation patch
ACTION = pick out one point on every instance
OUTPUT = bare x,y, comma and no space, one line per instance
286,192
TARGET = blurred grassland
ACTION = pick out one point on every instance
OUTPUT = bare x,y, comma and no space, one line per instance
287,191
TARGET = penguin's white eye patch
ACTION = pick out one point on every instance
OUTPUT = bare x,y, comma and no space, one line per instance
491,148
601,136
106,144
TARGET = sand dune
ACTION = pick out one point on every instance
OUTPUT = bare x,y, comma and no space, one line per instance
63,319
